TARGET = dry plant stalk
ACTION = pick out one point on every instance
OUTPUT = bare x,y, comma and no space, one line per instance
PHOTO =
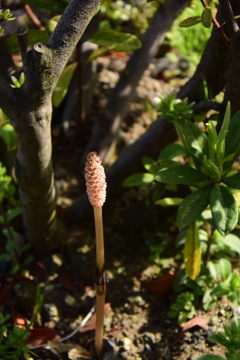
96,190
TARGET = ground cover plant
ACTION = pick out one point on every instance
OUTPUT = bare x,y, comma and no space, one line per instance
189,151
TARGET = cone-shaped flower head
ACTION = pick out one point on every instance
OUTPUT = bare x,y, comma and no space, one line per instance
95,180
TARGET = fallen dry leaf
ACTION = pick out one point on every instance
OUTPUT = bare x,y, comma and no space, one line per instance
161,286
196,321
41,335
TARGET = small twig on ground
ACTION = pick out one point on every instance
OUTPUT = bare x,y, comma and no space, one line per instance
33,17
79,327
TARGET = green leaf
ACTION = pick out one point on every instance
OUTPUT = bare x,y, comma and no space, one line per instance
52,23
181,174
196,139
193,20
96,53
166,163
115,40
63,83
166,202
192,207
224,209
34,36
13,213
171,151
233,181
138,180
210,357
9,136
221,290
207,17
225,268
233,136
226,121
150,164
192,252
57,6
230,356
231,241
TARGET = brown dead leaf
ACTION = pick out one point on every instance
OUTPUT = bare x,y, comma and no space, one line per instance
196,321
161,286
41,335
20,320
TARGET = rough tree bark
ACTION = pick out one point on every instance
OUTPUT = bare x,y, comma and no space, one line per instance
215,65
30,110
109,121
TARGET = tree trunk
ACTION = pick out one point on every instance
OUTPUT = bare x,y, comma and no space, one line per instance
215,65
30,110
109,121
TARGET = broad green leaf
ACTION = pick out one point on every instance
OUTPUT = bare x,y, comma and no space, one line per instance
207,17
224,209
210,357
9,136
138,180
231,241
53,23
230,356
96,53
226,121
171,151
193,20
233,181
63,83
150,164
13,213
196,139
57,6
166,163
181,174
233,137
115,40
166,202
192,207
192,252
221,290
34,37
225,268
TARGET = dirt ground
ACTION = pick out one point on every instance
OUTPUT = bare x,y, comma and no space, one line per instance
136,322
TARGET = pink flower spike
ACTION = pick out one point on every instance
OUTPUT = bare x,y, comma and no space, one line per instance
95,180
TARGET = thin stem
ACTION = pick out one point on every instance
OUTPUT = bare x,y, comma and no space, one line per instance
33,17
180,134
217,25
100,301
99,238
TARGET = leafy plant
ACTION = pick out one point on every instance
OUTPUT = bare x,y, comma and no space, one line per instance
230,339
189,41
12,343
183,308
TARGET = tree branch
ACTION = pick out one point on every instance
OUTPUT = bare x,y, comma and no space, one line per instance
6,96
229,15
69,30
109,121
